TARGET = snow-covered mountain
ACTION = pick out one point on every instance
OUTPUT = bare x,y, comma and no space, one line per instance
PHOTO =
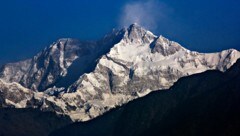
44,69
85,79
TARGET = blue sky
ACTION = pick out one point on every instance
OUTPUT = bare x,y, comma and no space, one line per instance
27,26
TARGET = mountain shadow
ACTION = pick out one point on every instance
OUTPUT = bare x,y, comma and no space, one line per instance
29,122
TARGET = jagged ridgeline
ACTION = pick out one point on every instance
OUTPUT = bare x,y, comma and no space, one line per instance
83,80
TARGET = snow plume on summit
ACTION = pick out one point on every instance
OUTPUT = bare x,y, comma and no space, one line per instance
145,13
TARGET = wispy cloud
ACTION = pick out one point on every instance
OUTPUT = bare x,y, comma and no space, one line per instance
145,13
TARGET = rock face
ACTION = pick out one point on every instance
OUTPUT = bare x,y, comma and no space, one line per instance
44,69
86,79
13,94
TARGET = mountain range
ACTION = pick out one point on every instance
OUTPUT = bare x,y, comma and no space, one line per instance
203,104
84,79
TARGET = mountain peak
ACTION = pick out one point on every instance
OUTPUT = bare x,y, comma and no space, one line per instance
134,25
137,34
135,28
165,47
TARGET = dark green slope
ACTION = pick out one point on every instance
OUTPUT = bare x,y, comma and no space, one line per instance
202,104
